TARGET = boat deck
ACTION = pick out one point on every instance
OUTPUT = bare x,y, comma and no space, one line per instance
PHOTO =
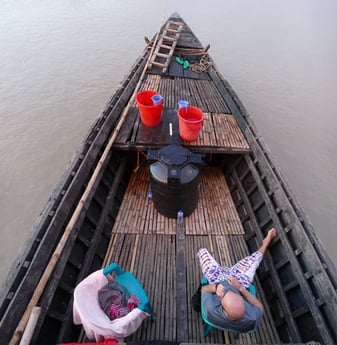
163,257
159,252
220,134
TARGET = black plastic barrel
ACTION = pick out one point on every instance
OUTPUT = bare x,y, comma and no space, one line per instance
174,180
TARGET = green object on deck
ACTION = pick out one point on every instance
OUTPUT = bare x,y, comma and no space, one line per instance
183,62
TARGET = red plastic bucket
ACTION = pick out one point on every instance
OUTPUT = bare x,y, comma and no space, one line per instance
191,121
149,114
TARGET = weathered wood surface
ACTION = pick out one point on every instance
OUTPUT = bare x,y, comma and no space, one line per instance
163,257
215,213
220,133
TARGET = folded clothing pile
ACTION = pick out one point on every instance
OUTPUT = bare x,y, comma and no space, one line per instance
115,300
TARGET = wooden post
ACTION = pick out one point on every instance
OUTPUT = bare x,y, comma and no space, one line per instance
29,331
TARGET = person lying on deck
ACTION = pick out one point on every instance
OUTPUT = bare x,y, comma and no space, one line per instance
225,300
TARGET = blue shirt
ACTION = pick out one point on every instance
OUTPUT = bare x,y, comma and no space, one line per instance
211,304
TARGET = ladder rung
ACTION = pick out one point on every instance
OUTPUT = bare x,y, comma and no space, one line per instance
172,30
171,22
162,55
168,38
165,46
158,64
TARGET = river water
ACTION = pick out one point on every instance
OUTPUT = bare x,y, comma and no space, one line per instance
61,60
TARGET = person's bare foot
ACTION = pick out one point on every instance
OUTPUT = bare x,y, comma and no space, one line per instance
272,233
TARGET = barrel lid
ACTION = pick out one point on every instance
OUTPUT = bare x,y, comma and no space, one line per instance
174,155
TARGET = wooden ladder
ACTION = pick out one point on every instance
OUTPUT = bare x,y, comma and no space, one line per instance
167,42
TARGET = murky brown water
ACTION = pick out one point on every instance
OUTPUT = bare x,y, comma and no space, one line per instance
60,62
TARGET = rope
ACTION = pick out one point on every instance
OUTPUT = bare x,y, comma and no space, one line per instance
201,66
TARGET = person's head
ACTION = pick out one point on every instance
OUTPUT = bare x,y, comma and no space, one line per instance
233,306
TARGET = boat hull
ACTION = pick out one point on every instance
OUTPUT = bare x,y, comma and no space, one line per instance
99,213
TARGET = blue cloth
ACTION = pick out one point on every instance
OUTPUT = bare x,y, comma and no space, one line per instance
214,313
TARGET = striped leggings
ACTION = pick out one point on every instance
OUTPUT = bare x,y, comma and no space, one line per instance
243,271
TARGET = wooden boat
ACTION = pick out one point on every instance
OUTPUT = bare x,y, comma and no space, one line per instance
99,213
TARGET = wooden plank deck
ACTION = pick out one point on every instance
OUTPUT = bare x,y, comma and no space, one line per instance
220,134
215,214
163,257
